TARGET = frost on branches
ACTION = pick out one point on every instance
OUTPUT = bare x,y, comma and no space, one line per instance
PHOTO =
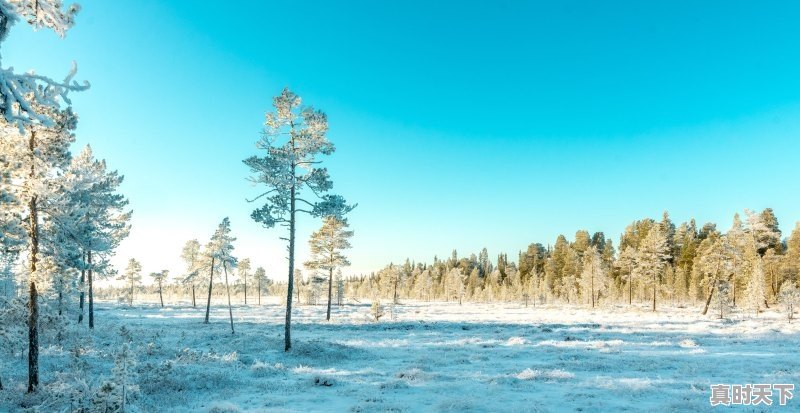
20,93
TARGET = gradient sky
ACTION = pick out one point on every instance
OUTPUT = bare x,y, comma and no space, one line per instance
457,124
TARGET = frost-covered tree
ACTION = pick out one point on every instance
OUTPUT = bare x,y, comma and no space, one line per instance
115,392
244,271
159,278
722,300
96,211
651,258
261,279
26,99
789,297
327,245
754,291
593,276
339,288
293,140
132,277
37,157
714,263
627,266
191,257
454,285
219,251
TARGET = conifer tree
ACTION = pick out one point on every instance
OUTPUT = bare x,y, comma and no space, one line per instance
97,215
159,278
218,254
28,99
651,258
294,138
244,270
593,276
327,245
191,257
40,155
132,276
261,277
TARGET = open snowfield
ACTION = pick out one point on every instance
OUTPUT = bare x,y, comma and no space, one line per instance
436,357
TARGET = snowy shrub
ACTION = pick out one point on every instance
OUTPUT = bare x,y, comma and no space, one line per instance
789,297
376,310
223,407
261,369
722,299
515,341
114,394
555,374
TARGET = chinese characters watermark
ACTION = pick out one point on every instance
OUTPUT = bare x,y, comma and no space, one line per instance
750,394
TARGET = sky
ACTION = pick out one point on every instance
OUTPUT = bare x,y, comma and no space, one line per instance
457,125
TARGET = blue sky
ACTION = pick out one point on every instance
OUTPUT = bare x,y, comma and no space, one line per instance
457,124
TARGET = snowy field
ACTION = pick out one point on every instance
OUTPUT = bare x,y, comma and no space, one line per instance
436,357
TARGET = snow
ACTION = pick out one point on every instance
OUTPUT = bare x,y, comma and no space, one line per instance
437,357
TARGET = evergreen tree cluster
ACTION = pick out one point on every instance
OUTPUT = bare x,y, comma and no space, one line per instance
745,267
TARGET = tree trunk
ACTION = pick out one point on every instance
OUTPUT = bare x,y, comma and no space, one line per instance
330,293
33,304
130,299
33,339
227,288
591,291
160,294
83,283
394,296
245,289
708,300
194,303
210,286
630,289
91,289
655,287
259,292
288,326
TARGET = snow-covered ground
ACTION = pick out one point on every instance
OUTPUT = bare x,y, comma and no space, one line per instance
436,357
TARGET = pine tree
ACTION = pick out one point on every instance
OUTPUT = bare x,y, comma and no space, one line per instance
289,167
40,153
722,300
627,266
789,297
159,278
244,271
192,259
99,221
326,245
755,287
714,262
261,278
593,276
651,258
218,254
339,288
132,276
26,99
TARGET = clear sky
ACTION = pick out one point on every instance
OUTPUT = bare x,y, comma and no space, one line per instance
457,124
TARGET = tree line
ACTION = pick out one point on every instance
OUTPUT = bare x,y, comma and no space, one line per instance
749,266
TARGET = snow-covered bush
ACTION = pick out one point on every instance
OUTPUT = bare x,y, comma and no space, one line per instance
789,297
376,310
722,299
114,394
